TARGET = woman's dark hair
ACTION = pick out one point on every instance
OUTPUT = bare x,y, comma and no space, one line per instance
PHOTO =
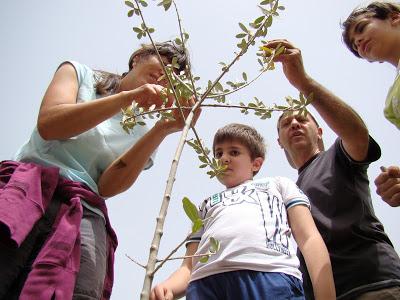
107,83
377,9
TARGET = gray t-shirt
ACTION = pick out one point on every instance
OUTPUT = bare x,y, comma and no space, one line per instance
362,256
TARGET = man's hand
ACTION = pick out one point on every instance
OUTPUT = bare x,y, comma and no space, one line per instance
292,63
388,185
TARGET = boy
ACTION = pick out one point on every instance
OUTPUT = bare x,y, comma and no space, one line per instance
251,221
373,33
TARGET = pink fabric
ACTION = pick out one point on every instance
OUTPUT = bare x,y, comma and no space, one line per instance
29,189
26,189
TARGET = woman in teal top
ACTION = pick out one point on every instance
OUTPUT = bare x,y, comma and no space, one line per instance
79,131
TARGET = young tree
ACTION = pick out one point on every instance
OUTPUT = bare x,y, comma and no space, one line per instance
183,86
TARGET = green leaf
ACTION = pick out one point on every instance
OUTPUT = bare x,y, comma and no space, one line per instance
197,224
178,41
203,159
137,29
151,30
143,3
130,13
204,259
214,245
244,76
268,22
241,35
259,20
241,25
265,2
166,4
130,4
190,209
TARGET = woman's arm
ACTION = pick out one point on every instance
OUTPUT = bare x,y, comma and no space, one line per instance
175,286
314,251
60,117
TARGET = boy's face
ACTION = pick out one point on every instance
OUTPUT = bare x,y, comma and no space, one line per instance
374,39
240,166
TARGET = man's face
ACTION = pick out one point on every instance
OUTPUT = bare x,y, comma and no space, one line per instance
374,39
240,165
297,132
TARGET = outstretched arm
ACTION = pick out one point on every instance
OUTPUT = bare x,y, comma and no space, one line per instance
339,116
60,117
314,251
175,286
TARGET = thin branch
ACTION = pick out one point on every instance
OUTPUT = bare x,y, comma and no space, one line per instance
191,256
226,69
184,48
135,261
163,261
288,108
160,59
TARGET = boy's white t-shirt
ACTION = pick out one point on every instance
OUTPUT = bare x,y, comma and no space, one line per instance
250,221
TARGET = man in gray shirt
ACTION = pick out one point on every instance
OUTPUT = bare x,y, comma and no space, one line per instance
364,262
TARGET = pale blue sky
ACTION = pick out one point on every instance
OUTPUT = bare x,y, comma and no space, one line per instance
36,36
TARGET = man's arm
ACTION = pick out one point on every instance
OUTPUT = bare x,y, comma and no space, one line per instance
339,116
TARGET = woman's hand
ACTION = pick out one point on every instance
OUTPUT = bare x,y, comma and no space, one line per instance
171,126
148,95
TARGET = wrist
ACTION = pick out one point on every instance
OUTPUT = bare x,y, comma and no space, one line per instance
163,128
307,86
126,98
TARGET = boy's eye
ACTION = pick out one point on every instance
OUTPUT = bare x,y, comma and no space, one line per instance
234,153
218,154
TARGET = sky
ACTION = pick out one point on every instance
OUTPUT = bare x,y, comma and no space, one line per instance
36,36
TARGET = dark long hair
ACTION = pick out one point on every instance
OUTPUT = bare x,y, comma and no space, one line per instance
107,83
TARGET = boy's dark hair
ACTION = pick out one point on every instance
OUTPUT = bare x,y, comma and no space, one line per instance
377,9
107,83
246,135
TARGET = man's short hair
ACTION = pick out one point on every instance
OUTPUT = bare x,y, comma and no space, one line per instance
293,112
246,135
377,9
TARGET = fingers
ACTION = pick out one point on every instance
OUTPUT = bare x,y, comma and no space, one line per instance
388,185
279,42
196,116
290,49
391,195
160,293
148,95
394,171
